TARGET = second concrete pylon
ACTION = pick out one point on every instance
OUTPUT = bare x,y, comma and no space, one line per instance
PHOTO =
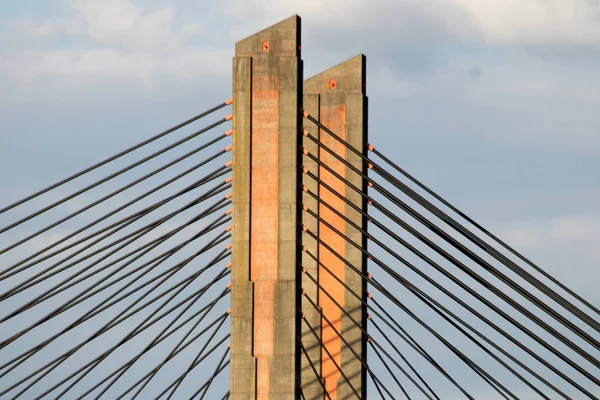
337,99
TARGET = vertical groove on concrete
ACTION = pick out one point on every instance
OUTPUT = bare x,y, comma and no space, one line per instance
267,96
243,363
343,109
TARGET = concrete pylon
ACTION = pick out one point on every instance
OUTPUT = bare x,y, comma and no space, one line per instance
337,99
267,95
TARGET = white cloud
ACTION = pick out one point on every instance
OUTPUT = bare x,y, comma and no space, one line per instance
119,23
567,247
114,39
583,229
32,27
352,17
537,22
503,22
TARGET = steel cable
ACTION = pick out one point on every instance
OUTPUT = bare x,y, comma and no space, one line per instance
118,320
124,188
338,333
121,224
405,336
474,293
314,369
122,153
113,322
526,294
463,230
111,176
452,296
401,280
131,237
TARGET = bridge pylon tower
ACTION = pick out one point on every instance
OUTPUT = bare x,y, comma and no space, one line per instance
271,313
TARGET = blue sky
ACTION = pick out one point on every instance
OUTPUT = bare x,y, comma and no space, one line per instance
493,104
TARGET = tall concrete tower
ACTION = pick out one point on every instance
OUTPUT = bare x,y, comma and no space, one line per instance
268,165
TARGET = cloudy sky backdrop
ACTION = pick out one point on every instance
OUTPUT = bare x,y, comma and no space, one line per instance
493,104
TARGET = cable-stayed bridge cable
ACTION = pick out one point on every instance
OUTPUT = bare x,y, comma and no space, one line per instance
87,293
403,281
208,382
115,320
493,382
478,344
199,358
505,261
474,293
165,276
515,268
353,320
202,332
218,322
146,247
337,332
149,246
389,370
121,224
212,378
314,369
529,296
470,309
497,274
448,293
488,233
112,158
405,336
221,275
98,309
591,322
111,176
335,363
203,310
176,347
377,387
131,237
418,292
124,188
